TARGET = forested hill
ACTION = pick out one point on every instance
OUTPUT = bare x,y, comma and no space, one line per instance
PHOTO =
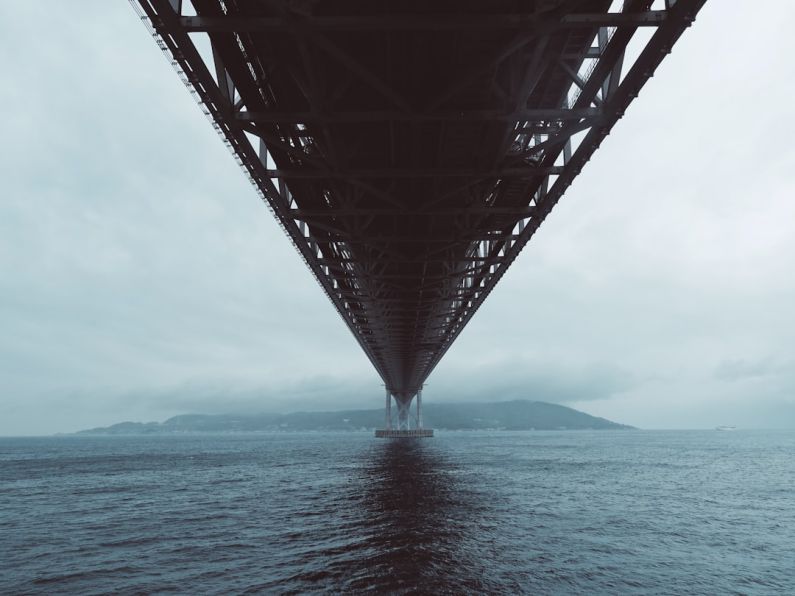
507,415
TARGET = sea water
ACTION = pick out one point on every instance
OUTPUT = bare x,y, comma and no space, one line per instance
468,512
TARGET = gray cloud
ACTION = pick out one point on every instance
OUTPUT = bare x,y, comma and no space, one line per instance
140,276
734,370
555,381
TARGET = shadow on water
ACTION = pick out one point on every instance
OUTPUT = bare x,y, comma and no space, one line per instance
422,515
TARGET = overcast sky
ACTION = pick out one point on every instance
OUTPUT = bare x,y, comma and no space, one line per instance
141,277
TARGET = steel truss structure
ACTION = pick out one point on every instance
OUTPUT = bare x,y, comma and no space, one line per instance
410,150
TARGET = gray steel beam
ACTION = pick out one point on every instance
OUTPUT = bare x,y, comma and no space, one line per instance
359,212
362,116
524,172
253,24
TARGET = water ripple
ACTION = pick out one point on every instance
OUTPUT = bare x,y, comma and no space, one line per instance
567,512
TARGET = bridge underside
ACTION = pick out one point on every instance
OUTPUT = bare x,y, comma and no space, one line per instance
410,150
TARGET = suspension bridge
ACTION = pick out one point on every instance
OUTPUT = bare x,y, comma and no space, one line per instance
410,150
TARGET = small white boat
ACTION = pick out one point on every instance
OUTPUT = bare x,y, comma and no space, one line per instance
725,428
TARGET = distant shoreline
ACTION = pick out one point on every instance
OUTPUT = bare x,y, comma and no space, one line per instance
517,415
367,431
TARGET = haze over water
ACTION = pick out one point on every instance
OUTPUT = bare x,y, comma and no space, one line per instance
500,512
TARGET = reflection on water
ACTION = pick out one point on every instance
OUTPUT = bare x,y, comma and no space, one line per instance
420,518
497,513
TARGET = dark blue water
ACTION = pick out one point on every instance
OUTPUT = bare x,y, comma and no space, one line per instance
542,513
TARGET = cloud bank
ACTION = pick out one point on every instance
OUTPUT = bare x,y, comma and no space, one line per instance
140,277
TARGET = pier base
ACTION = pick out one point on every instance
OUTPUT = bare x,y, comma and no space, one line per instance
403,430
393,433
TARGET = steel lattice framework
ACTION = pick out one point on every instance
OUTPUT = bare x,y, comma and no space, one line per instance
411,149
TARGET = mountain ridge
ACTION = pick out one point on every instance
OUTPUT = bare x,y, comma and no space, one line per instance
505,415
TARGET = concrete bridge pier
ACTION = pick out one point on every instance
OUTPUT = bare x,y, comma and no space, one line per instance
404,408
403,402
419,408
388,421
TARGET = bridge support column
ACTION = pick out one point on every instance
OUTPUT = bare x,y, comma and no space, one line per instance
419,408
402,427
404,408
388,416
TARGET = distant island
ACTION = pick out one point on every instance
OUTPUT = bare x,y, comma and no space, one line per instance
506,415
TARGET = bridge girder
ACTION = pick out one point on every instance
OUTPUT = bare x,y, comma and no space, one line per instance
410,156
